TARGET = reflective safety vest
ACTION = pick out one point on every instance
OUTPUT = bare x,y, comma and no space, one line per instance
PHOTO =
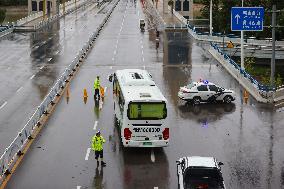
97,84
97,143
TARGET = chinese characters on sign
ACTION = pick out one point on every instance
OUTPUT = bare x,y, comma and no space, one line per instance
247,18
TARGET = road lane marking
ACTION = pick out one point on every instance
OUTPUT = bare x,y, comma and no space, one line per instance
41,67
143,59
152,155
4,104
87,154
78,187
32,76
114,52
142,46
19,89
9,68
49,59
110,67
95,125
105,90
112,59
36,47
156,187
56,52
142,51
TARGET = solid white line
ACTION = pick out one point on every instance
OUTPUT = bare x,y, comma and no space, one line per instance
95,126
78,187
32,76
152,155
41,67
4,104
87,154
19,89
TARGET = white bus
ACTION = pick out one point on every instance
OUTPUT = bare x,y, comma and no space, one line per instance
140,109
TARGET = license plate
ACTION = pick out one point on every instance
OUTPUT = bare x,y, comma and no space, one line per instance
147,143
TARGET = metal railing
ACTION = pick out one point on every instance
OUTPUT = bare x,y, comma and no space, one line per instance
28,18
15,149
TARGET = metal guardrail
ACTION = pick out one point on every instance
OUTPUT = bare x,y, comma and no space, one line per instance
15,149
259,86
176,26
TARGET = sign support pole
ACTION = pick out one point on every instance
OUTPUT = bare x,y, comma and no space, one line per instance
211,17
242,46
272,74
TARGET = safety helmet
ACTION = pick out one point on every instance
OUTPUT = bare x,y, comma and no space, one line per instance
98,132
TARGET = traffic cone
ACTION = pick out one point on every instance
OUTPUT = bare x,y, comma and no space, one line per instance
102,90
85,93
246,96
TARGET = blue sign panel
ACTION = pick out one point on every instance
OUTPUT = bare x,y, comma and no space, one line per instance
247,18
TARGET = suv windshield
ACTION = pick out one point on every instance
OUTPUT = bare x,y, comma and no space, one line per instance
147,110
203,178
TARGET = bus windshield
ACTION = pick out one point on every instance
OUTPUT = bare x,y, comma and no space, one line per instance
147,110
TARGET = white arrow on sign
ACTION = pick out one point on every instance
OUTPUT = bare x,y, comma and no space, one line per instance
237,17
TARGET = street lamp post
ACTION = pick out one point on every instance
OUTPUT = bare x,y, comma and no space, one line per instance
272,74
210,17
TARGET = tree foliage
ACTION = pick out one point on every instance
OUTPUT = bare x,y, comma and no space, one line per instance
2,15
222,15
13,2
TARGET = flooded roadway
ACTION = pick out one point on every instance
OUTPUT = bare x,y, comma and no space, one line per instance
32,62
247,138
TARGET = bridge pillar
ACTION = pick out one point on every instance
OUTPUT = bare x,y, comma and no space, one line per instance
184,7
51,6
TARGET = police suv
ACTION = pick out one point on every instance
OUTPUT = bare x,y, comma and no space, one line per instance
199,173
205,91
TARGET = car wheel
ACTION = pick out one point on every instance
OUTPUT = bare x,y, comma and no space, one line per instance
227,99
196,100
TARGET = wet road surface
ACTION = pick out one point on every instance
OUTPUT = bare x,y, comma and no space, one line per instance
32,62
247,138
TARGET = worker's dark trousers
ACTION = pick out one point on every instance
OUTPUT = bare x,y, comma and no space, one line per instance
97,93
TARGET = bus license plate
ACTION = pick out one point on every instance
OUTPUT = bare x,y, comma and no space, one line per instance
147,143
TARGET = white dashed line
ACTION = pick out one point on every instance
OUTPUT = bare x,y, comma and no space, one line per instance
56,52
142,52
156,187
43,42
110,67
87,154
4,104
112,59
78,187
9,68
143,59
32,76
49,59
41,67
152,155
114,52
19,89
95,125
36,47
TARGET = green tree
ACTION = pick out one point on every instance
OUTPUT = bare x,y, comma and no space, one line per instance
2,15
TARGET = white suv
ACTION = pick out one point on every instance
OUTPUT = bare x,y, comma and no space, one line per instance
199,172
205,91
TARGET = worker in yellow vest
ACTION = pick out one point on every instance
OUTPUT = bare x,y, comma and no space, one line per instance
97,146
97,87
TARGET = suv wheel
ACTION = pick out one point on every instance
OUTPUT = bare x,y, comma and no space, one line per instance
196,100
227,99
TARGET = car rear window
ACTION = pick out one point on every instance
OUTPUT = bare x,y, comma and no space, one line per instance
213,88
